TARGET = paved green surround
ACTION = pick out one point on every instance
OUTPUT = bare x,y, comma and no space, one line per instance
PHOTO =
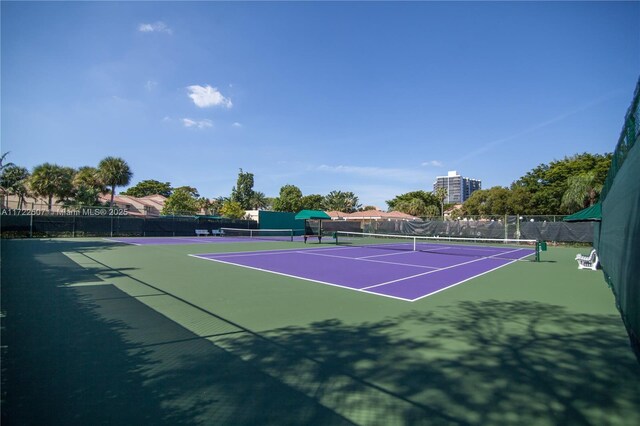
98,332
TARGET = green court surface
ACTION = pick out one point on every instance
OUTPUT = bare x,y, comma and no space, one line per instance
95,332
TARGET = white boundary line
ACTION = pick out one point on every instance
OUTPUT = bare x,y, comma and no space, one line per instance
123,242
467,279
364,289
273,251
364,259
438,270
298,277
388,254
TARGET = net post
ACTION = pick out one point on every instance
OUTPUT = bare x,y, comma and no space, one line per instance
291,232
538,244
414,244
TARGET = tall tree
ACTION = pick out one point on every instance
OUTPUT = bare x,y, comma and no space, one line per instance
243,193
259,201
476,204
414,207
346,202
232,210
582,191
519,201
441,194
205,205
427,197
216,204
114,172
13,181
48,180
289,200
312,202
547,183
87,187
181,201
149,187
190,189
3,165
431,210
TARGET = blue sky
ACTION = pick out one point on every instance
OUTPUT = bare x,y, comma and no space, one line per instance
377,98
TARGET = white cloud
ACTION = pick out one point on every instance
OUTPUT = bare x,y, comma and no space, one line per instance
150,85
156,27
200,124
382,173
434,163
207,96
236,124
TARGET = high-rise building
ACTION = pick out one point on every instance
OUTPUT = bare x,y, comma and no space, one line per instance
458,188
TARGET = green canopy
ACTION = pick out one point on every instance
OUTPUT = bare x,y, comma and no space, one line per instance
590,213
312,214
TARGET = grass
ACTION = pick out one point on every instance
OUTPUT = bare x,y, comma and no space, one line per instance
97,332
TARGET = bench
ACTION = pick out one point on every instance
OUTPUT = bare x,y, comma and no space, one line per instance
590,261
217,232
202,232
319,237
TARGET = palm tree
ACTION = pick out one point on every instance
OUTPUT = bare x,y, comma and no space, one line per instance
258,200
49,179
114,172
414,207
342,201
581,189
87,187
441,194
13,181
2,157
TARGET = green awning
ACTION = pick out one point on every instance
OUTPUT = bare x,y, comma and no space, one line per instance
590,213
312,214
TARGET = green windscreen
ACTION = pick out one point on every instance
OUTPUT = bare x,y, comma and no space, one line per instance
617,239
280,220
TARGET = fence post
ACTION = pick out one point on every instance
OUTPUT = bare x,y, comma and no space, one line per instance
506,227
31,220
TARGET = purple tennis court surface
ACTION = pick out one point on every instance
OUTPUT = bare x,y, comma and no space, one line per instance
405,275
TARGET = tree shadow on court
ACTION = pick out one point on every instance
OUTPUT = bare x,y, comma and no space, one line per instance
481,363
91,354
80,352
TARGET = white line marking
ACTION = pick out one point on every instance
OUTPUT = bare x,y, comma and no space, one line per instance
300,278
387,254
366,289
120,241
437,270
467,279
362,259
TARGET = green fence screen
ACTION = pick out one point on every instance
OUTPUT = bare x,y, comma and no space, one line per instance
279,220
617,239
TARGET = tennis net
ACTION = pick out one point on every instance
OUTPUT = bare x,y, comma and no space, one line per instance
511,249
259,234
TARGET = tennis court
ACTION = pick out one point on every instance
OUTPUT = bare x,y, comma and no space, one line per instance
391,269
98,331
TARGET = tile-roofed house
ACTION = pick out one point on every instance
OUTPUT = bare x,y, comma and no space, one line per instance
380,215
336,215
151,205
